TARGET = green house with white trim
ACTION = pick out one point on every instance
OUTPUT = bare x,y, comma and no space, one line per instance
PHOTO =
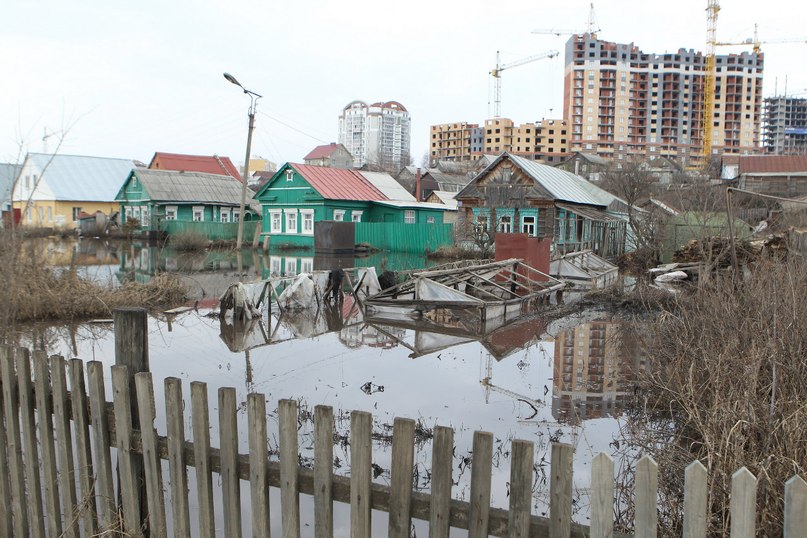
514,194
162,200
298,196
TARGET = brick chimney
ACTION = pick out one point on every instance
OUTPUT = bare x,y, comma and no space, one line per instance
418,192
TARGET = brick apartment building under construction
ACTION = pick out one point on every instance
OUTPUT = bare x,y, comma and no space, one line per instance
621,103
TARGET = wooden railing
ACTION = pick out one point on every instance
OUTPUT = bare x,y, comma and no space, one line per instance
56,452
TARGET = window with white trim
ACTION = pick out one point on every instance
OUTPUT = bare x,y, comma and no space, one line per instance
338,215
429,220
224,214
528,225
291,221
291,266
275,222
356,216
236,215
306,265
409,216
308,221
170,212
289,175
505,224
198,213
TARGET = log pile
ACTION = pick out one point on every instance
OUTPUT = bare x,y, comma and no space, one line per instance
717,250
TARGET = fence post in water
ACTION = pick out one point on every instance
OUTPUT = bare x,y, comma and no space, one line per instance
131,350
19,500
560,490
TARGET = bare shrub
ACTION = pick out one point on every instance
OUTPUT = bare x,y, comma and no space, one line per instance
725,385
188,240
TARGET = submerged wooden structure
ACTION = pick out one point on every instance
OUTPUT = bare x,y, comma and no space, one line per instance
484,291
585,269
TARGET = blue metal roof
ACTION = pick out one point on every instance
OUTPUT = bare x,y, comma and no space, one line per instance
79,178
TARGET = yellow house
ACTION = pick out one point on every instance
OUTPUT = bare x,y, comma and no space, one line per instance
52,190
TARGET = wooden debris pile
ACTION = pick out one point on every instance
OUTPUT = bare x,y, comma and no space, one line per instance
717,250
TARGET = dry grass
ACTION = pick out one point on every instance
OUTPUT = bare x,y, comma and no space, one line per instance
188,240
725,385
33,291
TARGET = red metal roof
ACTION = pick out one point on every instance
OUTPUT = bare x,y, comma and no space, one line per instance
772,164
194,163
338,184
322,152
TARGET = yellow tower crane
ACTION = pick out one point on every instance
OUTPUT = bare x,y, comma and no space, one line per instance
709,83
497,77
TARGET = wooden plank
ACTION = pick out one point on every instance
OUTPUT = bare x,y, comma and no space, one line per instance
289,460
230,485
127,485
602,496
19,500
743,504
403,458
560,491
29,442
522,458
361,429
6,517
151,461
258,465
107,510
442,463
795,508
81,430
481,467
646,495
64,443
44,412
323,471
695,500
201,458
177,467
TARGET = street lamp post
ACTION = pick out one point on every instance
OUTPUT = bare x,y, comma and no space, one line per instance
253,101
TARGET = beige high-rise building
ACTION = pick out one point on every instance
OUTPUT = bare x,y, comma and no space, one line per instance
620,102
459,141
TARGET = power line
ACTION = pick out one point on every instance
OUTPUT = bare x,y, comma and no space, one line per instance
293,128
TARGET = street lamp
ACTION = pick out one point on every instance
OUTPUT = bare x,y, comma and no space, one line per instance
253,100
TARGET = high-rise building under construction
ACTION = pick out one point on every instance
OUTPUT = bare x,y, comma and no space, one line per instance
622,103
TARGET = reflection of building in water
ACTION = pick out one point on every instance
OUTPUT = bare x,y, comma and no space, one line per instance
361,334
595,370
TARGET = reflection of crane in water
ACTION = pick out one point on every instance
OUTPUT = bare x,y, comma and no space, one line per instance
487,382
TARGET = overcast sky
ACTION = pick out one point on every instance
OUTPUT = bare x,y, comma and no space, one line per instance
129,79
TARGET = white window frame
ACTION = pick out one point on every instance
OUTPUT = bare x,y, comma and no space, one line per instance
307,218
429,220
409,216
307,265
224,214
339,215
291,221
272,228
144,215
290,267
170,212
198,210
289,175
356,216
237,214
533,225
505,226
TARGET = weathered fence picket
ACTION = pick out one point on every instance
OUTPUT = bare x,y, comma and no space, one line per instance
37,411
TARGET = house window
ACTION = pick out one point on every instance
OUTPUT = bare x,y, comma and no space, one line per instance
144,212
409,216
505,224
76,211
308,221
224,214
356,216
291,266
429,220
236,215
528,225
291,221
275,221
289,175
306,265
198,213
50,214
170,212
338,215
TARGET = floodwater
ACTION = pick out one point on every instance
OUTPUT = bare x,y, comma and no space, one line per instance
566,381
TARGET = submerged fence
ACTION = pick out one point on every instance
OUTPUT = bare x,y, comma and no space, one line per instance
397,237
214,231
56,450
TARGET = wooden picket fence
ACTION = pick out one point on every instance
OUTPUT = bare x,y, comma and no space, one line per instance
55,451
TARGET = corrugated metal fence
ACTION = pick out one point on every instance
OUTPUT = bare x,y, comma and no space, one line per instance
399,237
215,231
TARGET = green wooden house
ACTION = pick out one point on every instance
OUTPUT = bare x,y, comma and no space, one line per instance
170,201
298,196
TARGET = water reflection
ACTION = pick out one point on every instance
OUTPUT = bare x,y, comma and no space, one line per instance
595,371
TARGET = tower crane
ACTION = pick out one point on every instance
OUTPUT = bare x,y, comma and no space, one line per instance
497,77
591,27
712,10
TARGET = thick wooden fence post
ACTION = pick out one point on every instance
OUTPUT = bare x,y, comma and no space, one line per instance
560,491
131,351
